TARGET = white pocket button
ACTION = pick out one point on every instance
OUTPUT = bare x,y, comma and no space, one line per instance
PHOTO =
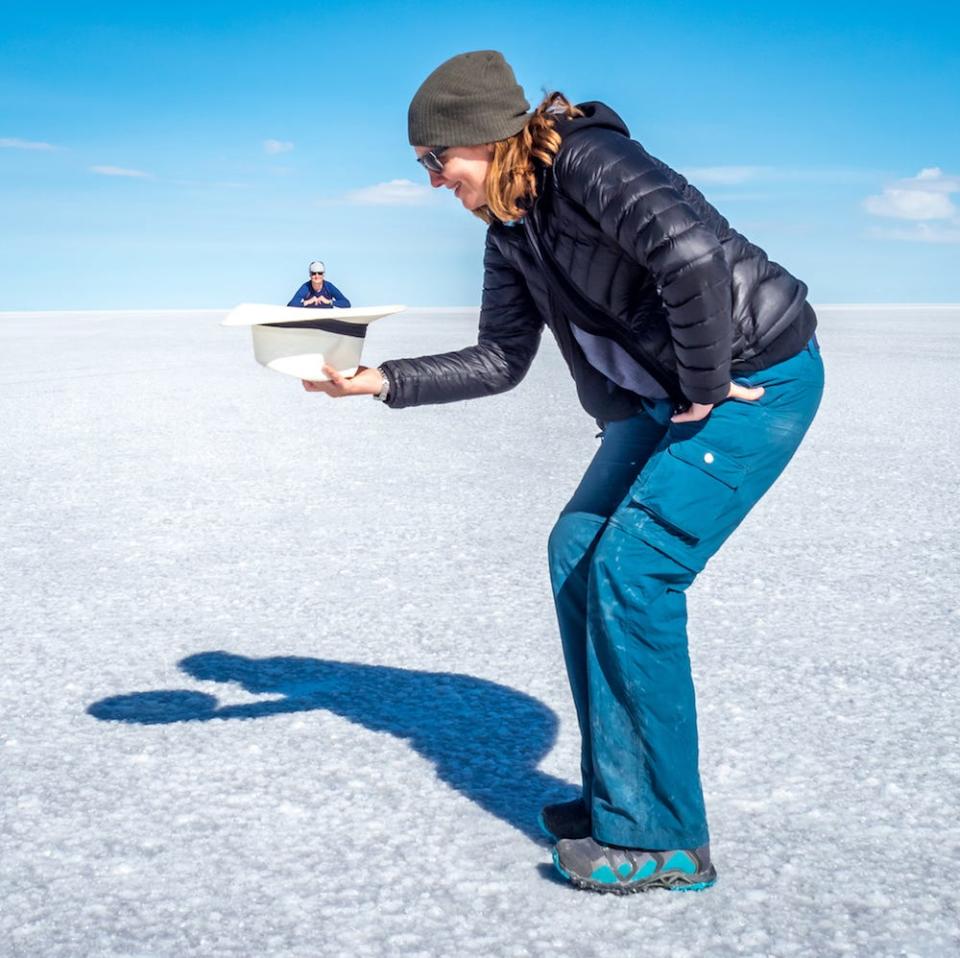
708,457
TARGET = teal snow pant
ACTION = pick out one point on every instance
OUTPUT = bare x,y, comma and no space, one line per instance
657,501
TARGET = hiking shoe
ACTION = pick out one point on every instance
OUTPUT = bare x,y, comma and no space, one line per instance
565,820
607,868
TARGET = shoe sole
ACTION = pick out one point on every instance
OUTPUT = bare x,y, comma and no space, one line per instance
668,881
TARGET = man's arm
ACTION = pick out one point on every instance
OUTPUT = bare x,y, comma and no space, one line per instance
339,300
299,296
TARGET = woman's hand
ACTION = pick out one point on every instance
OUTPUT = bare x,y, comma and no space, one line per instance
698,411
364,382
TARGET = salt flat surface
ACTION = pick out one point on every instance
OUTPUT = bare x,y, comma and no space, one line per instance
280,674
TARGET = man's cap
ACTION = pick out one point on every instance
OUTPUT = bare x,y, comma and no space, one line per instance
316,267
471,98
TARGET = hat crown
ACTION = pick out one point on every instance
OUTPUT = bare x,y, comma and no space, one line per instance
469,99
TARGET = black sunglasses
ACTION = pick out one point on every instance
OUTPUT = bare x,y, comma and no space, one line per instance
315,274
431,159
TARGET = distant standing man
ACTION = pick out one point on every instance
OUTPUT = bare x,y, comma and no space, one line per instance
317,292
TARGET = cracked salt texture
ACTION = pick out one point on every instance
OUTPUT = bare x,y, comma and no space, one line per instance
281,674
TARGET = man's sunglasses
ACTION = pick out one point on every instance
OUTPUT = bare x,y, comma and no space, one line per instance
431,159
315,274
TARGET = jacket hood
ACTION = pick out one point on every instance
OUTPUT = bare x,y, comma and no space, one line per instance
595,114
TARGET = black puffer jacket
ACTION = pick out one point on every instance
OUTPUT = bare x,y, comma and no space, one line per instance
652,265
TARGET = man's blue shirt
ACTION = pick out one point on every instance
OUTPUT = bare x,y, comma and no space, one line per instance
328,290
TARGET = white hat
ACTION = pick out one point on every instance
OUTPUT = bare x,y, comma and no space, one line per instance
316,267
299,342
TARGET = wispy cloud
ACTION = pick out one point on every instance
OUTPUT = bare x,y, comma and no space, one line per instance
120,171
910,205
12,143
924,201
273,147
732,175
727,175
925,196
919,233
392,193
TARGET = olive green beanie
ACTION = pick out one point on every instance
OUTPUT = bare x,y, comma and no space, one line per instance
472,98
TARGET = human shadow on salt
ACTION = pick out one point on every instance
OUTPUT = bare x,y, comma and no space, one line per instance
486,740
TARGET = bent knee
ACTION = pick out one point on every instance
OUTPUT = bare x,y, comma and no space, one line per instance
571,538
628,562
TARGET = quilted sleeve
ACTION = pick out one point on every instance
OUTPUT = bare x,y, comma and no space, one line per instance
507,340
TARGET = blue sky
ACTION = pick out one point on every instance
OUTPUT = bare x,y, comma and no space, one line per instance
199,155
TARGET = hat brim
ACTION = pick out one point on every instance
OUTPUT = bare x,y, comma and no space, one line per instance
265,314
300,342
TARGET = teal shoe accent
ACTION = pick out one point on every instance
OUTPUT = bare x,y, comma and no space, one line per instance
681,862
647,870
606,875
608,868
699,886
543,828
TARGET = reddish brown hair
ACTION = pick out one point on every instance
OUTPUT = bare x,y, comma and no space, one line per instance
511,179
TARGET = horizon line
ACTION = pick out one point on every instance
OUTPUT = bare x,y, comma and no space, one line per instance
415,309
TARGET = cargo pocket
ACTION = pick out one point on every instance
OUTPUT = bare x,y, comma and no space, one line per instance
683,497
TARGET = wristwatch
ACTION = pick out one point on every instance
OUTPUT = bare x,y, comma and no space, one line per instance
384,389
